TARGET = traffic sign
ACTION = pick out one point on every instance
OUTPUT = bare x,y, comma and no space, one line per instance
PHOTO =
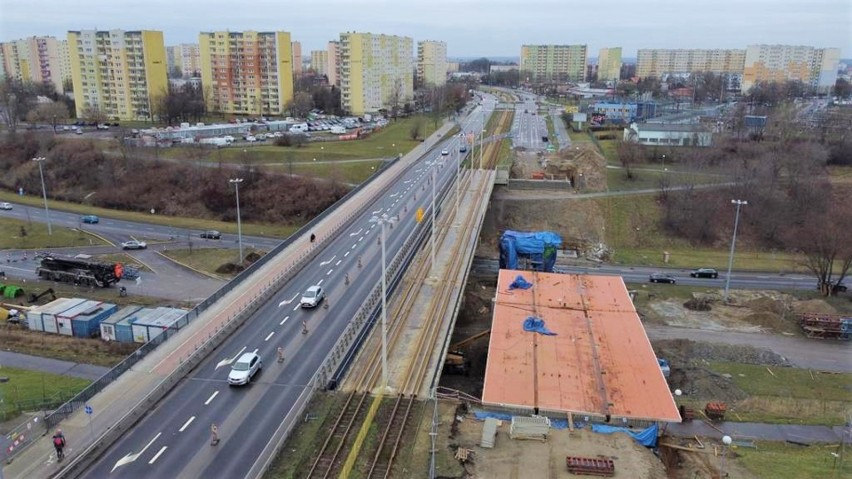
419,215
89,410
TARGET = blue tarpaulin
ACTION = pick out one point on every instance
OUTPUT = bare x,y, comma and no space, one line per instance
536,325
646,437
554,423
539,247
520,283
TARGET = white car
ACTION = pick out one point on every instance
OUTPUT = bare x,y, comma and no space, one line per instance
312,297
133,244
244,369
445,152
5,206
251,139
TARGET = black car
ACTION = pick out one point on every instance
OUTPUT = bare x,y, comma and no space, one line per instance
212,234
705,273
662,278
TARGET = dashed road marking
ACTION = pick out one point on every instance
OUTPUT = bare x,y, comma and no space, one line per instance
186,424
157,455
284,321
338,262
329,272
269,336
210,399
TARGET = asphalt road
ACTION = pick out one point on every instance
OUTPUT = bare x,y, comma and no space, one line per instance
640,274
528,127
54,366
173,440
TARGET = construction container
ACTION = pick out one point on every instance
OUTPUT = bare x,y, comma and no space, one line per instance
87,324
43,318
152,324
118,326
716,410
65,318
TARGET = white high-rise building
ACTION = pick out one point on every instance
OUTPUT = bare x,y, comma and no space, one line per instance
432,63
815,67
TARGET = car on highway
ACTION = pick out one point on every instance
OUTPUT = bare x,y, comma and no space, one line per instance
661,278
5,206
244,369
133,244
211,234
704,273
90,219
463,149
312,297
445,152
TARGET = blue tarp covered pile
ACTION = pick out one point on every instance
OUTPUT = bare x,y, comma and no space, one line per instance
536,325
539,247
520,283
646,437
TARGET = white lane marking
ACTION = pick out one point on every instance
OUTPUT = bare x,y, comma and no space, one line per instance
354,245
372,225
296,308
319,283
361,239
256,350
210,399
288,301
347,254
228,361
394,195
377,211
338,262
329,261
269,336
329,272
356,233
132,457
284,321
157,455
186,424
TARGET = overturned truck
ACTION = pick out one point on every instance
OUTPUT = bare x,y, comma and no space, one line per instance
79,271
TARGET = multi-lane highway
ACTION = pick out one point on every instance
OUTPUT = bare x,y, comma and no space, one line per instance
528,128
173,439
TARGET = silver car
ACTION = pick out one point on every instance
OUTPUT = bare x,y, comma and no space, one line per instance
312,297
244,369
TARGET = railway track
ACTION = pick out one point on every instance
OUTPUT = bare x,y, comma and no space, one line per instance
329,458
380,466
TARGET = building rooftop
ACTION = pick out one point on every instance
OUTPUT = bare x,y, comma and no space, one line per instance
687,127
599,362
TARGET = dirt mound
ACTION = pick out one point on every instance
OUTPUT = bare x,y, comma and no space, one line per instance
813,306
684,353
702,383
229,268
772,321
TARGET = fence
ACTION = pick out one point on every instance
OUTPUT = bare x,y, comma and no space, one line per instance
70,406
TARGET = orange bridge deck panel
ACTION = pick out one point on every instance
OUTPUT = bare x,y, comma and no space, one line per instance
599,362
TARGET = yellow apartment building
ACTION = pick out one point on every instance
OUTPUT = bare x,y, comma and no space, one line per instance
432,63
375,71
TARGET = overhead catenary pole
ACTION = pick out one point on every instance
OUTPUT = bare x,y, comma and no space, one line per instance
236,182
733,245
382,220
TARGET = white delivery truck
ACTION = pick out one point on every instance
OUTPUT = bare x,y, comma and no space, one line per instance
299,128
217,142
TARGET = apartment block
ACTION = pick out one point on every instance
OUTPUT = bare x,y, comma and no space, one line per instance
681,62
319,61
297,58
248,73
815,67
609,64
333,69
37,60
118,73
553,63
432,63
376,71
185,56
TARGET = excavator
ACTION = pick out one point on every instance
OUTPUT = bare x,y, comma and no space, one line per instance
456,362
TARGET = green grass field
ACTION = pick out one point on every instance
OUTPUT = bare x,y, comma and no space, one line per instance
33,390
36,236
778,460
353,172
208,259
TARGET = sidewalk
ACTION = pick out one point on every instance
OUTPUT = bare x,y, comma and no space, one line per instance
753,430
53,366
121,397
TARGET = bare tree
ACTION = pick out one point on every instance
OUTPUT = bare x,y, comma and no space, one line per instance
300,105
416,129
48,113
823,238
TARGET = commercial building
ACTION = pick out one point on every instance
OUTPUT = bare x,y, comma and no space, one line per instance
573,346
247,73
432,63
333,69
667,134
36,60
681,62
185,56
558,63
815,67
117,74
319,62
297,58
376,71
609,64
618,112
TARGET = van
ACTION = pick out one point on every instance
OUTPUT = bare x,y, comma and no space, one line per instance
338,130
299,128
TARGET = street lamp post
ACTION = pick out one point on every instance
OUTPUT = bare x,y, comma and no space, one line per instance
382,220
739,203
433,166
726,442
236,182
458,174
481,145
39,160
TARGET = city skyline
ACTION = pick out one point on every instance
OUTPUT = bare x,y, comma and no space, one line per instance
471,28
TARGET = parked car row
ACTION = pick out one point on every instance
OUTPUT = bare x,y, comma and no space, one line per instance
660,277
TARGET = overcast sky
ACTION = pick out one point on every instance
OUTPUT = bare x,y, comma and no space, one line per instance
471,28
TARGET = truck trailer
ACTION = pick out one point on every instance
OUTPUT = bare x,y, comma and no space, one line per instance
79,271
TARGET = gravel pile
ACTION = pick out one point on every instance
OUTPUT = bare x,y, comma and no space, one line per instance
682,352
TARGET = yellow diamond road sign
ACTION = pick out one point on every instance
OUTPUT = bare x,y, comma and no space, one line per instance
419,215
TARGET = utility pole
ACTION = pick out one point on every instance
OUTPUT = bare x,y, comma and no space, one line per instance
236,182
39,160
382,220
733,245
